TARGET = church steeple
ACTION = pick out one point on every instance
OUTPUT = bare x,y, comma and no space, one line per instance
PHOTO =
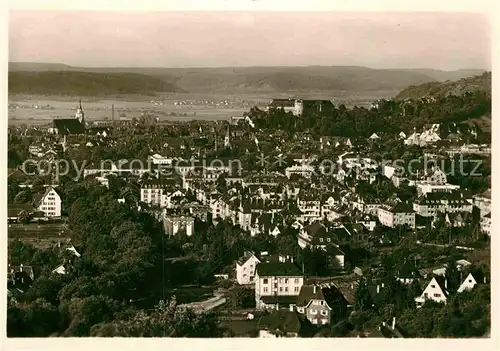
227,141
79,115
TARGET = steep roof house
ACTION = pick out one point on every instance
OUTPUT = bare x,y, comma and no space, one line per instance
321,304
245,268
436,290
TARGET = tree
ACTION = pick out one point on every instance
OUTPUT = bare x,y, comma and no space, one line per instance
24,196
363,300
241,297
37,319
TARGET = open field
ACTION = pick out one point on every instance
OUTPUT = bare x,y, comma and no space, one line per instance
40,110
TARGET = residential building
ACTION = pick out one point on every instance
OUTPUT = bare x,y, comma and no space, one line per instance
483,202
468,284
319,304
317,236
309,204
245,268
50,202
286,104
400,213
158,159
430,204
436,290
174,224
302,170
277,284
424,188
486,224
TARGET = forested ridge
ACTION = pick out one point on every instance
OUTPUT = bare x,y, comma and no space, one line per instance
86,83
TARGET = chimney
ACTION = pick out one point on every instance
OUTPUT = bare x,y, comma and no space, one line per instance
314,289
393,323
382,284
446,283
291,308
21,268
378,288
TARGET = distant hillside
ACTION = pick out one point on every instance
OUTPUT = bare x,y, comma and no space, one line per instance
458,87
85,83
275,79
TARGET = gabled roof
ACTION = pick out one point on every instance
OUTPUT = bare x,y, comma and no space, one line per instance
316,229
69,126
38,198
283,269
243,259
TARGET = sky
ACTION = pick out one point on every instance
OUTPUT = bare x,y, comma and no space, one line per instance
440,40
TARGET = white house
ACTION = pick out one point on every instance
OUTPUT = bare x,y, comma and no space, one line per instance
486,224
398,214
435,291
277,283
245,268
468,283
49,203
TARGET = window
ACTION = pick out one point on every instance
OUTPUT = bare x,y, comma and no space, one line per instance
433,286
320,240
281,281
328,239
426,295
265,289
324,313
265,281
322,303
281,289
437,295
286,280
296,280
286,288
296,289
314,311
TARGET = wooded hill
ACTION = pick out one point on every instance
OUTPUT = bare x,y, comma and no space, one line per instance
86,83
335,79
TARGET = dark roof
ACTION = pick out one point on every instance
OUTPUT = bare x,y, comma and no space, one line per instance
285,269
69,126
401,207
281,300
283,320
316,229
307,293
330,294
282,103
245,257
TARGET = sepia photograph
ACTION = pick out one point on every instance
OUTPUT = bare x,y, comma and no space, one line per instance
249,174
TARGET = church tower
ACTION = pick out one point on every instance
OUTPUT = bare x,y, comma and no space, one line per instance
227,142
79,115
